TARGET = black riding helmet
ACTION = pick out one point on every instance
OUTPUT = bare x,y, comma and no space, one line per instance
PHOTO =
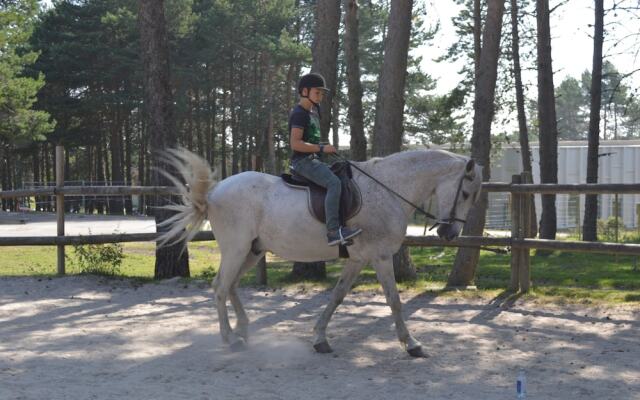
312,80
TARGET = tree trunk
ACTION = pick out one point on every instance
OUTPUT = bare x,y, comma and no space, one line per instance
65,178
589,226
388,128
547,121
117,178
335,116
477,40
223,135
325,55
142,173
36,162
325,62
314,271
4,169
48,150
235,159
170,260
100,201
525,150
464,267
354,85
128,206
268,150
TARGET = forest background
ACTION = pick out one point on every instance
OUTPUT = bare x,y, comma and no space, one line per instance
72,73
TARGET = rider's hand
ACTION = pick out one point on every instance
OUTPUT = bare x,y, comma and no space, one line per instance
329,149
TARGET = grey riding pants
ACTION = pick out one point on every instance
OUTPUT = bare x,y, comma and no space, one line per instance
319,173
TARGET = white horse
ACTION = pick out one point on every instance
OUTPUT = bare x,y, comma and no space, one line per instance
252,213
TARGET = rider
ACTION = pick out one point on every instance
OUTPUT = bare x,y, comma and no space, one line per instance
304,128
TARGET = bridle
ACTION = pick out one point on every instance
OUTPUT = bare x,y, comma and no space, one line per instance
452,215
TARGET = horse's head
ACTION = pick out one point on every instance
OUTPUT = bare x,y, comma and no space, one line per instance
455,197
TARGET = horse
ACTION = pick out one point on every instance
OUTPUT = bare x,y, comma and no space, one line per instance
252,213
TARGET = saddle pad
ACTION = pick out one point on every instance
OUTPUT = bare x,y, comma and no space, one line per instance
350,199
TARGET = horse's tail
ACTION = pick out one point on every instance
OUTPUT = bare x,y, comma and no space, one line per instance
194,180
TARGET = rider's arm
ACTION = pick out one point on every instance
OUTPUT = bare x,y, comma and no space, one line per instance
297,144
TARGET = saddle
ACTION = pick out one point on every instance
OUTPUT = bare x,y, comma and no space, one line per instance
350,198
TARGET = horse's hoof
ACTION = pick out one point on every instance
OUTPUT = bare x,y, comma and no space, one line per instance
238,345
323,347
417,352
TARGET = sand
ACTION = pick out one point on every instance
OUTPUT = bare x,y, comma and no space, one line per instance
96,338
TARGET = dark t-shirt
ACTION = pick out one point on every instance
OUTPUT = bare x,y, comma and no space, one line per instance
309,122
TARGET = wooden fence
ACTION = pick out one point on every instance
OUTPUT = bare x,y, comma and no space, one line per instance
520,189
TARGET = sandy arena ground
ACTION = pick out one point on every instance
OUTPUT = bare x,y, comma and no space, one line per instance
92,338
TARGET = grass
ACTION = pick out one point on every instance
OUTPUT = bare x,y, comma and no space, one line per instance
139,260
562,277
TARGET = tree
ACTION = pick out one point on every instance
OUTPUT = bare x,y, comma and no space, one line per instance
20,123
547,121
388,128
170,260
325,55
570,102
523,132
589,227
466,261
352,59
325,61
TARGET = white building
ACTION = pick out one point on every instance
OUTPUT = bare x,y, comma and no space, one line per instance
619,163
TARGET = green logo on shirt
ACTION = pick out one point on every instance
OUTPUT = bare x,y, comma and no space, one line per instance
314,129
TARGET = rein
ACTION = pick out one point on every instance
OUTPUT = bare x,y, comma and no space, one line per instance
452,215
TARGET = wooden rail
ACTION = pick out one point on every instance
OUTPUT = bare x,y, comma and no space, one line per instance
520,188
415,241
90,239
92,191
590,188
555,188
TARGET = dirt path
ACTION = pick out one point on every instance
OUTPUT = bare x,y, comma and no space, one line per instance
89,338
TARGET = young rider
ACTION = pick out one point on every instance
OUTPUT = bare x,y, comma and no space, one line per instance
304,129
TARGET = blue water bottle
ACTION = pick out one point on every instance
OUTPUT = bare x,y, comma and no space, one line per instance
521,385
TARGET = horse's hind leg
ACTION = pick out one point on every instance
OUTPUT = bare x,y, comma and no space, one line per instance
227,277
384,272
349,274
242,321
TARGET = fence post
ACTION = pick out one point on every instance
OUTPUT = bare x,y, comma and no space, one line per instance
515,233
60,204
525,257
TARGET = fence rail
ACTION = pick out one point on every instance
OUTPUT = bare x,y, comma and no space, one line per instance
91,191
520,190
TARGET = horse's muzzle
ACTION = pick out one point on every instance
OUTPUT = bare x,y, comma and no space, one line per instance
447,232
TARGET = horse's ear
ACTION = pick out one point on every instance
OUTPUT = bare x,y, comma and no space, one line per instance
470,166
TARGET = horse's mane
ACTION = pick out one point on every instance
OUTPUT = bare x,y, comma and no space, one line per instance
438,155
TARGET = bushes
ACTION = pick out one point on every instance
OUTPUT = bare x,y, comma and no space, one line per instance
607,231
607,228
98,259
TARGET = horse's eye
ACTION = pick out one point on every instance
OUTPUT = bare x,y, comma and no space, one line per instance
465,195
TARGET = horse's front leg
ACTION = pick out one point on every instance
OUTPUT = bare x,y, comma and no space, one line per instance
384,271
349,274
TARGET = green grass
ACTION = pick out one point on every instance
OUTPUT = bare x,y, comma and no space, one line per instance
139,260
570,276
563,277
